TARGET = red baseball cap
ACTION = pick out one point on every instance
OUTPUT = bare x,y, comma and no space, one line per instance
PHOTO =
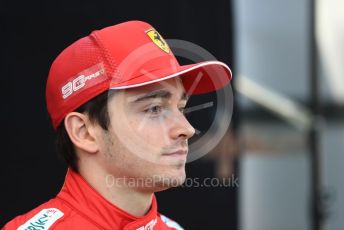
126,55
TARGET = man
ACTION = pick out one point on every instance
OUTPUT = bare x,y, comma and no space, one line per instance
116,99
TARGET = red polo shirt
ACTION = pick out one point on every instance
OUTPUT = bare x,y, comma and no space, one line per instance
79,206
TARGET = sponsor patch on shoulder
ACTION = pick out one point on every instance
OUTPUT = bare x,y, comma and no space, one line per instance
170,223
42,220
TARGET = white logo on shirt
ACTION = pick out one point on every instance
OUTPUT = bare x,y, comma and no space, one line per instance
149,226
42,220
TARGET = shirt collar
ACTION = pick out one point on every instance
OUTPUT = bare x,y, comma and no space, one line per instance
88,202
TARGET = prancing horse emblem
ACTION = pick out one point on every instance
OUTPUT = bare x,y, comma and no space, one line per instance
158,40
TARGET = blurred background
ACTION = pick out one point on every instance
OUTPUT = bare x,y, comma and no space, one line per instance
286,138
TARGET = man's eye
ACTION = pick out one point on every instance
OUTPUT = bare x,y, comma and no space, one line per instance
154,109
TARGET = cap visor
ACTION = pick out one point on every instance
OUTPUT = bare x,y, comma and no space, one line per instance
203,77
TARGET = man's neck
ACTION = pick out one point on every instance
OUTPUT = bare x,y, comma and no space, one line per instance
127,198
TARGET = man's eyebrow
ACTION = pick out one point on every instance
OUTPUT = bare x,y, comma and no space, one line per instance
163,94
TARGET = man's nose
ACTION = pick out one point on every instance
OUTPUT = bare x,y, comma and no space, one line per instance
180,126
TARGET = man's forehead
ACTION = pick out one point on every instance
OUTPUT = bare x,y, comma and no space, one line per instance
173,86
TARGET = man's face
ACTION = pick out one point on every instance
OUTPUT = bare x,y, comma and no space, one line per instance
147,136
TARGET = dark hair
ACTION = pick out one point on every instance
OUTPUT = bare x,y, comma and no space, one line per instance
97,111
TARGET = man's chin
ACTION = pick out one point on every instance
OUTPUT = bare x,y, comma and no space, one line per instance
164,182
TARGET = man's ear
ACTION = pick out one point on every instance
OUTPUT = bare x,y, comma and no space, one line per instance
81,132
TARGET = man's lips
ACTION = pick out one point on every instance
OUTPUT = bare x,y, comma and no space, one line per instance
180,152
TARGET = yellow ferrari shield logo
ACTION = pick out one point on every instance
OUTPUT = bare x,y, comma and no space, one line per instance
158,40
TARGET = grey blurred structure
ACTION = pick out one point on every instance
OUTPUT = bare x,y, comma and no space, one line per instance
291,76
